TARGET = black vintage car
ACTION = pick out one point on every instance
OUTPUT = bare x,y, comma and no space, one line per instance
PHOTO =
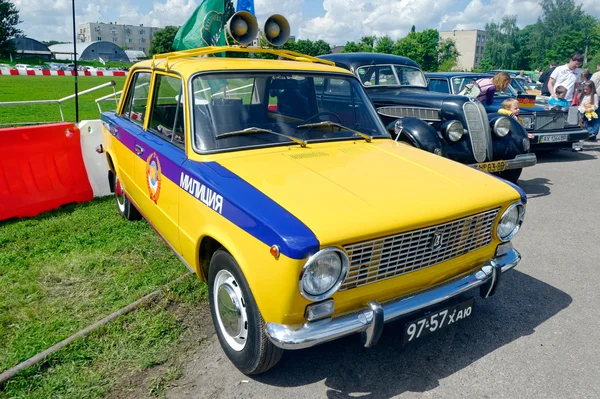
552,129
455,127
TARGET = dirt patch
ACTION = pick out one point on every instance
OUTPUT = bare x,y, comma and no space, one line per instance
152,382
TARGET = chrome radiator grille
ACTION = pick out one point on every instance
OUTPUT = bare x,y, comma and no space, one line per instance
549,121
426,114
388,257
478,126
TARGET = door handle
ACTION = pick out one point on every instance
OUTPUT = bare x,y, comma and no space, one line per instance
139,150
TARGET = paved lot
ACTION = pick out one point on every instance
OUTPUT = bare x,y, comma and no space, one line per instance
538,337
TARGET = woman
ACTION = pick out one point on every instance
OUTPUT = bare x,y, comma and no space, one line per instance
489,86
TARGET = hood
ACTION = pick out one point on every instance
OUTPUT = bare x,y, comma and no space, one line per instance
410,96
348,191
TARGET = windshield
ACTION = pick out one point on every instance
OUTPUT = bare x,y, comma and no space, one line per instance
459,82
391,75
240,110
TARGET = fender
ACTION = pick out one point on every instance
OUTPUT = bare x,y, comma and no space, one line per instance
515,142
418,133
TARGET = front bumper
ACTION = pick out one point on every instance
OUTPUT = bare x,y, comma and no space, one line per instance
370,320
519,162
573,136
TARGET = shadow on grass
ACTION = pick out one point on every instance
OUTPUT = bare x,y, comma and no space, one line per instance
349,370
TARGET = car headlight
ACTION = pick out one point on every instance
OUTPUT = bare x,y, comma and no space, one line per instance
323,274
454,131
510,222
502,126
527,121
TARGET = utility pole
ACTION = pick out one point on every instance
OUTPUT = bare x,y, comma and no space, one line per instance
75,66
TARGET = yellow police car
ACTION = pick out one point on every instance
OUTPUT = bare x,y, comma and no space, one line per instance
275,181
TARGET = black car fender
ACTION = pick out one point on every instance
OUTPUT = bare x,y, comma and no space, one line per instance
418,133
516,140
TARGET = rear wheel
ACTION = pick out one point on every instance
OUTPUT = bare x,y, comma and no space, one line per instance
124,206
238,322
512,175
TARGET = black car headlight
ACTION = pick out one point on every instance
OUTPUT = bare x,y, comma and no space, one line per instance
453,130
323,274
510,222
502,126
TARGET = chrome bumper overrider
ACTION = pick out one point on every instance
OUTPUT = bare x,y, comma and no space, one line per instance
521,161
369,321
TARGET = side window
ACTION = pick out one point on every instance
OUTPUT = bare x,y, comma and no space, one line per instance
439,85
167,110
135,107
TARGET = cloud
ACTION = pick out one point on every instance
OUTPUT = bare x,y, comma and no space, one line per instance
476,14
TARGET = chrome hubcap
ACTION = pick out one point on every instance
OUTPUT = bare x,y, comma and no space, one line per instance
119,194
231,310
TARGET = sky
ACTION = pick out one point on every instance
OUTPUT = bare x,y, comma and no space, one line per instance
335,21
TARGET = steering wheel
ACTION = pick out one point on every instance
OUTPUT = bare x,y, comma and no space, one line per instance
339,120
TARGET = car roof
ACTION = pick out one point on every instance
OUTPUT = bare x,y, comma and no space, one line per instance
456,74
355,60
189,62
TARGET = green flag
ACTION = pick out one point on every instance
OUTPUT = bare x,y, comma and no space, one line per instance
204,28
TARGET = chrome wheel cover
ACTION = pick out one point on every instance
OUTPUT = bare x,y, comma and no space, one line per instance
230,308
119,194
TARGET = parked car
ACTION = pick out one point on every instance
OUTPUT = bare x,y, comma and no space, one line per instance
23,67
277,183
552,129
452,126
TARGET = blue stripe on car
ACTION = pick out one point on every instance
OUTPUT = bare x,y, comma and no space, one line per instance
242,204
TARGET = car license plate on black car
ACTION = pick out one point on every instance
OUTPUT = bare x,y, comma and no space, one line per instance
556,138
491,167
437,321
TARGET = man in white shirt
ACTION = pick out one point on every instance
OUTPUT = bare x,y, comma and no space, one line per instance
568,76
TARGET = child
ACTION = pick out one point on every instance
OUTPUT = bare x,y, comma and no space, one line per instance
510,107
559,102
588,100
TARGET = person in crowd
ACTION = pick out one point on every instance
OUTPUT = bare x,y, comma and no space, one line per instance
568,76
510,108
588,104
596,79
586,75
489,86
545,77
559,102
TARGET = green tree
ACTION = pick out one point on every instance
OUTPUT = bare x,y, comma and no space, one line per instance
321,47
229,10
163,40
367,43
501,49
421,47
351,47
447,55
9,19
384,45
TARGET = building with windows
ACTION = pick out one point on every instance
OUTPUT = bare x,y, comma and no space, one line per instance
470,44
129,37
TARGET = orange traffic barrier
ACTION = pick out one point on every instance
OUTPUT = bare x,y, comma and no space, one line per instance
41,168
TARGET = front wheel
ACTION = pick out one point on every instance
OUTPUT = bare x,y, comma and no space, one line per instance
238,322
124,206
512,175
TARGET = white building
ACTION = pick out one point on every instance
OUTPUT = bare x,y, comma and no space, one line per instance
131,37
470,44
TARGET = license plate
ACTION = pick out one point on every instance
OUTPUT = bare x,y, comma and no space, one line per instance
555,138
491,167
437,321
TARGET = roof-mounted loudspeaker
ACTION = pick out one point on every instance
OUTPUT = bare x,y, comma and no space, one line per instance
276,30
242,27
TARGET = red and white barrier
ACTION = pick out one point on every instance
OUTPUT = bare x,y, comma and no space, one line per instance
20,72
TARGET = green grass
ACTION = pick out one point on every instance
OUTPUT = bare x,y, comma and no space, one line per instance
26,88
68,268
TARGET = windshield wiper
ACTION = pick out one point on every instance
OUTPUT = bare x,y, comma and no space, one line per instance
256,130
335,124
